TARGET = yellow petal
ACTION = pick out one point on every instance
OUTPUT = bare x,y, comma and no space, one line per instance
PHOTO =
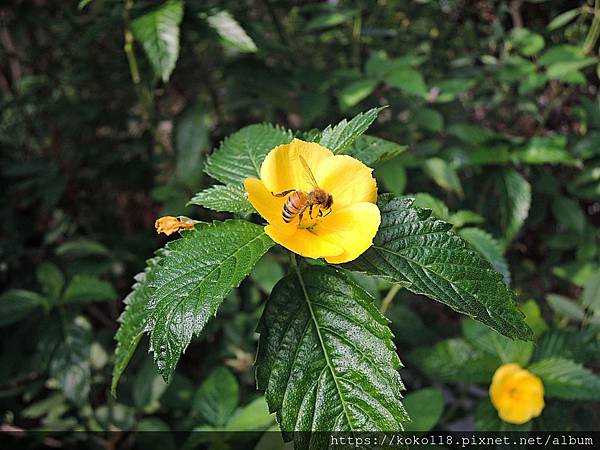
282,170
268,206
347,179
303,242
169,224
352,228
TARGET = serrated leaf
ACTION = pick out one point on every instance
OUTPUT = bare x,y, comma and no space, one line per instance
158,32
489,341
566,379
88,289
231,32
489,247
326,358
579,345
133,321
566,307
16,304
515,201
70,363
218,397
455,360
373,150
338,138
422,254
241,154
193,278
223,198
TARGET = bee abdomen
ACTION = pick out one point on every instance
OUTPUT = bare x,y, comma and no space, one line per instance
291,207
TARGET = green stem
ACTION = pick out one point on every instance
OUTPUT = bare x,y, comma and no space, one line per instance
387,301
594,32
356,35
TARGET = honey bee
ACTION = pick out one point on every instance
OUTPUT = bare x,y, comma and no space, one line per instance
299,201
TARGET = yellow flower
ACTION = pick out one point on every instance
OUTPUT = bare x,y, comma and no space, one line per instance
339,232
517,394
170,224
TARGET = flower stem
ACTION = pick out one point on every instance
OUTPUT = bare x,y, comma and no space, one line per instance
594,33
387,301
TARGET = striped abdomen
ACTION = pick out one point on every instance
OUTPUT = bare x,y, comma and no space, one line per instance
294,205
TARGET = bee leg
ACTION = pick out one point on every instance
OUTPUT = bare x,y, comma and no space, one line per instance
328,212
283,194
310,210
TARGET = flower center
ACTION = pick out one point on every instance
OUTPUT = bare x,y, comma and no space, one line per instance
313,217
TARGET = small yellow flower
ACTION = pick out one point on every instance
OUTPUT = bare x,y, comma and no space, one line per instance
339,231
170,224
517,394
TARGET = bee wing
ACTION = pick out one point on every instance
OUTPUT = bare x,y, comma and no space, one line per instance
310,178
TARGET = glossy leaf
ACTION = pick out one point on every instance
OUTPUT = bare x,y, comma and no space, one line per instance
51,279
326,358
422,254
223,198
443,174
242,153
340,137
158,32
355,92
567,379
192,279
425,408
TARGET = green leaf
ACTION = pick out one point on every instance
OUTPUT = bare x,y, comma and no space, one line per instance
266,273
231,32
487,340
352,94
443,174
88,289
489,247
563,18
567,379
241,154
470,133
544,150
425,408
566,307
590,297
533,317
70,363
326,358
218,397
340,137
148,387
515,201
158,32
133,321
328,20
16,304
422,254
192,279
526,41
81,248
392,175
254,416
373,150
455,360
429,119
223,198
51,279
408,80
191,138
464,217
